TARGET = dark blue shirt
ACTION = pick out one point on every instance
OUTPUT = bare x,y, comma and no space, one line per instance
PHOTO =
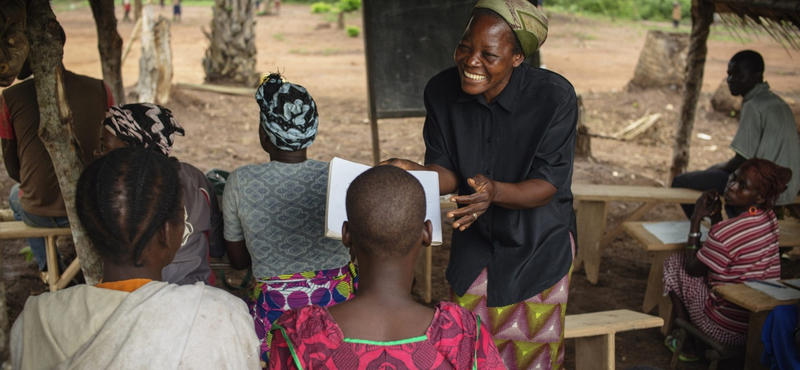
527,132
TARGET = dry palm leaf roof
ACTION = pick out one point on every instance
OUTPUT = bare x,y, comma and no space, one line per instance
779,18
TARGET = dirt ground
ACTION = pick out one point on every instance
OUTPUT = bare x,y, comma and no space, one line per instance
597,56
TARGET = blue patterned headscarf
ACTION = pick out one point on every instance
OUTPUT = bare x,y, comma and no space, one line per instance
288,113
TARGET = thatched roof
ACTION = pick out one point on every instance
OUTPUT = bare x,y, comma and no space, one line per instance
779,18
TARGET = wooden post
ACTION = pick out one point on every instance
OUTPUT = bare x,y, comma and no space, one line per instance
110,45
155,65
55,127
702,17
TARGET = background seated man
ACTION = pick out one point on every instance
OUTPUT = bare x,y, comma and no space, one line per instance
37,200
767,130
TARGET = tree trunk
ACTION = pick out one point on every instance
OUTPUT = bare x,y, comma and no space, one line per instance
110,45
340,20
55,127
155,65
231,54
137,10
702,17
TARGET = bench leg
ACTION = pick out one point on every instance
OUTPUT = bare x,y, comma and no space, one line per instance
591,220
52,262
69,274
595,353
655,282
666,313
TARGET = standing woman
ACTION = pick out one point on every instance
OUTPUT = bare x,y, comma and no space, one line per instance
502,134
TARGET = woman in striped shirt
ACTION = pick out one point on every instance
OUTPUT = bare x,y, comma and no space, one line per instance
738,249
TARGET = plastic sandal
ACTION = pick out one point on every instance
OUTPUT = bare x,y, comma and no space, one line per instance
672,344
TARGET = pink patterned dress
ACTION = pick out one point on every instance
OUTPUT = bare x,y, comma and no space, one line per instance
308,338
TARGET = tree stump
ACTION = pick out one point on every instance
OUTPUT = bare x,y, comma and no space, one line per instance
724,102
155,65
662,62
583,142
231,53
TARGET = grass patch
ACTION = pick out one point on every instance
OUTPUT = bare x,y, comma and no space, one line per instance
278,37
324,52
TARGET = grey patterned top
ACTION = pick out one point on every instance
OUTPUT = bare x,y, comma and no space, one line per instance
278,209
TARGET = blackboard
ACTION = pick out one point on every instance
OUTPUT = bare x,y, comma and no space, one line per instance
407,42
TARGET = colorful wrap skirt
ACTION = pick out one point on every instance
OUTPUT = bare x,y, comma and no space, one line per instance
269,298
529,334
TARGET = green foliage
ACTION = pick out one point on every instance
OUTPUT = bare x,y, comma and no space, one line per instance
321,7
27,253
348,6
624,9
352,31
278,37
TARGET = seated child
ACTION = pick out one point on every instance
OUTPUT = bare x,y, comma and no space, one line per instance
275,214
133,320
383,327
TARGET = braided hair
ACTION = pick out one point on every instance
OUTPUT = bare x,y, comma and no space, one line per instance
768,179
124,198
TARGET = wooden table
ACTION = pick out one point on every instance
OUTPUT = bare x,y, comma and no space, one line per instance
759,305
592,208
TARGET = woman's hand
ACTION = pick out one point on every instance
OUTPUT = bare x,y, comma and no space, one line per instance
404,164
709,204
477,203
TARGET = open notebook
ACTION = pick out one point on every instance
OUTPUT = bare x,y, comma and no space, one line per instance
342,172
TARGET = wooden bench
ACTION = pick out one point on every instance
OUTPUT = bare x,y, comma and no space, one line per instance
594,335
592,201
759,305
789,237
18,230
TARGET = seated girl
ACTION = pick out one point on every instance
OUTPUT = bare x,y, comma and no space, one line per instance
275,214
383,327
131,207
146,125
739,249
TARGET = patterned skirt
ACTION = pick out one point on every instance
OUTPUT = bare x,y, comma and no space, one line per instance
693,292
269,298
529,334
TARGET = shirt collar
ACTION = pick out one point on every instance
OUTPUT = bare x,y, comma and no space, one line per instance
507,98
757,89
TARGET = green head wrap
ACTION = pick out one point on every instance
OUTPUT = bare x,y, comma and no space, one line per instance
525,19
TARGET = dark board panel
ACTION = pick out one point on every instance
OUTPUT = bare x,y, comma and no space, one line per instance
407,42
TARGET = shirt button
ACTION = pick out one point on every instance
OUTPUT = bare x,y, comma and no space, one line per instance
488,172
488,140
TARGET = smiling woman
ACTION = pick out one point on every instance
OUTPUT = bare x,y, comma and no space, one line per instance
502,134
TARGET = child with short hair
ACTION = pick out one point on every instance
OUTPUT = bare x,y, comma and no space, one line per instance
383,325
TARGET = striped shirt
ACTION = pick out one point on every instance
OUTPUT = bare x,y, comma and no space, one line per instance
737,250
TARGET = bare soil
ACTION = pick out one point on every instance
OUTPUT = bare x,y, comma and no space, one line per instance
597,56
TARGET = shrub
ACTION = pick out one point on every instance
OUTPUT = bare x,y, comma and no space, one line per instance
320,7
349,5
352,31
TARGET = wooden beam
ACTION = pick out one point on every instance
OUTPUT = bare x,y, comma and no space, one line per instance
702,17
